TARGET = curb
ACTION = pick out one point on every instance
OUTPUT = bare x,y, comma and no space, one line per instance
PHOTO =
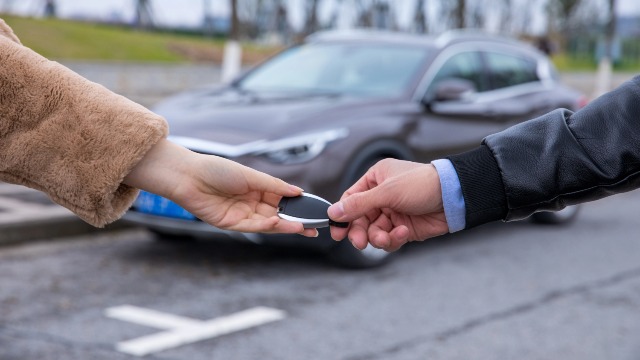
27,215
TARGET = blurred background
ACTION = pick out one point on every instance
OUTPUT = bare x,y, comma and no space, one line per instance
500,291
580,35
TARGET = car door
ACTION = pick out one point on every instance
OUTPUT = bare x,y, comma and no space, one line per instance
445,127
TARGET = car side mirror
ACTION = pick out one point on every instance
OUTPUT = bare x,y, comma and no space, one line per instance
452,89
452,97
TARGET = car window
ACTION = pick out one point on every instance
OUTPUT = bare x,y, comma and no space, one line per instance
509,70
466,65
358,69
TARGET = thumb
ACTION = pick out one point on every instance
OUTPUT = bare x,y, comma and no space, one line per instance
357,205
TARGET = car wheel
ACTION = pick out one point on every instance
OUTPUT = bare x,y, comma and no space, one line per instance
348,256
344,254
563,216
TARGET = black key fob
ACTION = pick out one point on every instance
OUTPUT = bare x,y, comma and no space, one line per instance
309,209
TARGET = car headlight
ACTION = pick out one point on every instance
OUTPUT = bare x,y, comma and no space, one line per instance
300,148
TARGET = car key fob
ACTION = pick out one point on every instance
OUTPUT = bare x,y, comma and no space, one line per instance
309,209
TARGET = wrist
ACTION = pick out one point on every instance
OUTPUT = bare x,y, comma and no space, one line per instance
163,170
451,197
481,185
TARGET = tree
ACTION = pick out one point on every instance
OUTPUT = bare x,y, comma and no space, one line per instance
420,18
333,21
144,15
459,14
311,24
50,8
610,29
560,14
365,16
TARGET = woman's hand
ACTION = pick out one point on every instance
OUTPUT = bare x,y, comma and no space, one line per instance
218,191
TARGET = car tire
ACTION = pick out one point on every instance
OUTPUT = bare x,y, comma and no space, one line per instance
343,253
563,216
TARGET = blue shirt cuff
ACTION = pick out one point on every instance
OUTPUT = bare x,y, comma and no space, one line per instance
452,199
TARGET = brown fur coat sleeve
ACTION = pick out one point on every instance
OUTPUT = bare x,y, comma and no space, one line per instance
71,138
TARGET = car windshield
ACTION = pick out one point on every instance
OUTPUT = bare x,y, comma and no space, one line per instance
353,69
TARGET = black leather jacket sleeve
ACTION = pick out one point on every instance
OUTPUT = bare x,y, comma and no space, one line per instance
559,159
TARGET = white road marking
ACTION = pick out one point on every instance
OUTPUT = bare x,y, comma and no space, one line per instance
148,317
183,330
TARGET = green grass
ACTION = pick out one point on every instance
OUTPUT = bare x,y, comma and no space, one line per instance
567,63
71,40
564,62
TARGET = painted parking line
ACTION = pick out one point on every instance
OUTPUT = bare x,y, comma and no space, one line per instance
148,317
183,330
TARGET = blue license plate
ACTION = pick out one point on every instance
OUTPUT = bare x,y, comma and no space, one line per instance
149,203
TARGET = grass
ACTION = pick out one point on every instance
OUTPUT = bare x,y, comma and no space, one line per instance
567,63
72,40
564,62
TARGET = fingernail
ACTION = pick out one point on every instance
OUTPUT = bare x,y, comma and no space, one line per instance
336,211
295,188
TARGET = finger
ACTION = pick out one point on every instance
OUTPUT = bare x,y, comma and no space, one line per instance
357,205
388,240
366,182
267,183
338,233
310,233
270,202
268,225
399,236
379,237
358,233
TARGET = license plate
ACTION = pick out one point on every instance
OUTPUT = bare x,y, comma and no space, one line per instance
153,204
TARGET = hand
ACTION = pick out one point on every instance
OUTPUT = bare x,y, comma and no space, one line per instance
393,203
218,191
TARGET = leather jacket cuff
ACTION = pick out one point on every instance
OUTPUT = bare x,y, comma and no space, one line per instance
482,186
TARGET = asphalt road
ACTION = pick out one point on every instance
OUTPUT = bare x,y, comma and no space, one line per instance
501,291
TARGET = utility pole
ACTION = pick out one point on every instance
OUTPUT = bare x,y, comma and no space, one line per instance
232,60
605,67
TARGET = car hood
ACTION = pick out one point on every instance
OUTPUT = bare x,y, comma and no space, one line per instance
232,117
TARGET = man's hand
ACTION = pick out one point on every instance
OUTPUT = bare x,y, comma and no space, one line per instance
393,203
